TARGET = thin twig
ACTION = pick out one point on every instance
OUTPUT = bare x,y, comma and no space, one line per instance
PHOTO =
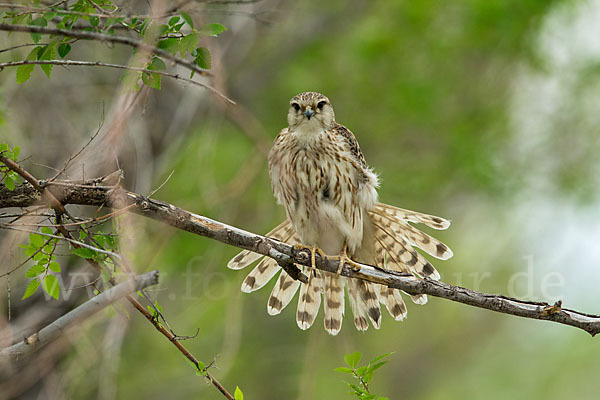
118,66
71,241
27,259
84,311
73,156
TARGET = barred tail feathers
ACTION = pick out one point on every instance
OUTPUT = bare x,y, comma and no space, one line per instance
309,300
267,267
247,257
333,300
394,240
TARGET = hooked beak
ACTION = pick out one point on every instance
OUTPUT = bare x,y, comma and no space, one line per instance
309,113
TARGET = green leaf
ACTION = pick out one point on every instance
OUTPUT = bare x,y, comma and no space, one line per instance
64,49
29,250
157,64
49,15
353,359
188,43
51,286
173,20
152,80
202,58
361,370
188,19
34,271
48,52
161,29
41,257
380,357
356,388
169,44
238,395
16,152
112,242
94,21
144,26
344,370
31,288
54,266
40,21
212,29
84,252
100,240
20,19
36,240
9,182
376,366
24,71
47,230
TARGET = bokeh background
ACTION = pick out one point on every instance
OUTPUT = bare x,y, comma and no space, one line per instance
482,111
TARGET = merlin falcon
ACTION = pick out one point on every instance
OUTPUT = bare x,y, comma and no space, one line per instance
320,176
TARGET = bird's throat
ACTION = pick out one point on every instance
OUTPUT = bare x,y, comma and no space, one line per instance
308,131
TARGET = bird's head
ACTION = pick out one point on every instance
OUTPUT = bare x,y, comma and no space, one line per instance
311,109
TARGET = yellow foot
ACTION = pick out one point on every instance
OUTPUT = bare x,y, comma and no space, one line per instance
314,250
343,260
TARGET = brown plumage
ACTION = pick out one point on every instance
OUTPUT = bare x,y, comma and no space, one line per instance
320,176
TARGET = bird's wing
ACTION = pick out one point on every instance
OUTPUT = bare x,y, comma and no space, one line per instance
351,142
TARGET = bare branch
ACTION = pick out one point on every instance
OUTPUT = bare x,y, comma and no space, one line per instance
84,311
287,255
118,66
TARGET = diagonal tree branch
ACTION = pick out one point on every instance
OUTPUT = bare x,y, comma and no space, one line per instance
52,331
287,255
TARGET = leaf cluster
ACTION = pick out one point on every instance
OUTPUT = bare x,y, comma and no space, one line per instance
7,176
363,374
41,251
177,36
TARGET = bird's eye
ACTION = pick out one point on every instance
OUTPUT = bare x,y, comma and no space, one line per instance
296,106
321,104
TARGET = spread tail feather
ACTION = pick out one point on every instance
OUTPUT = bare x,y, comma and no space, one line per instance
309,301
247,257
334,303
283,292
393,242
